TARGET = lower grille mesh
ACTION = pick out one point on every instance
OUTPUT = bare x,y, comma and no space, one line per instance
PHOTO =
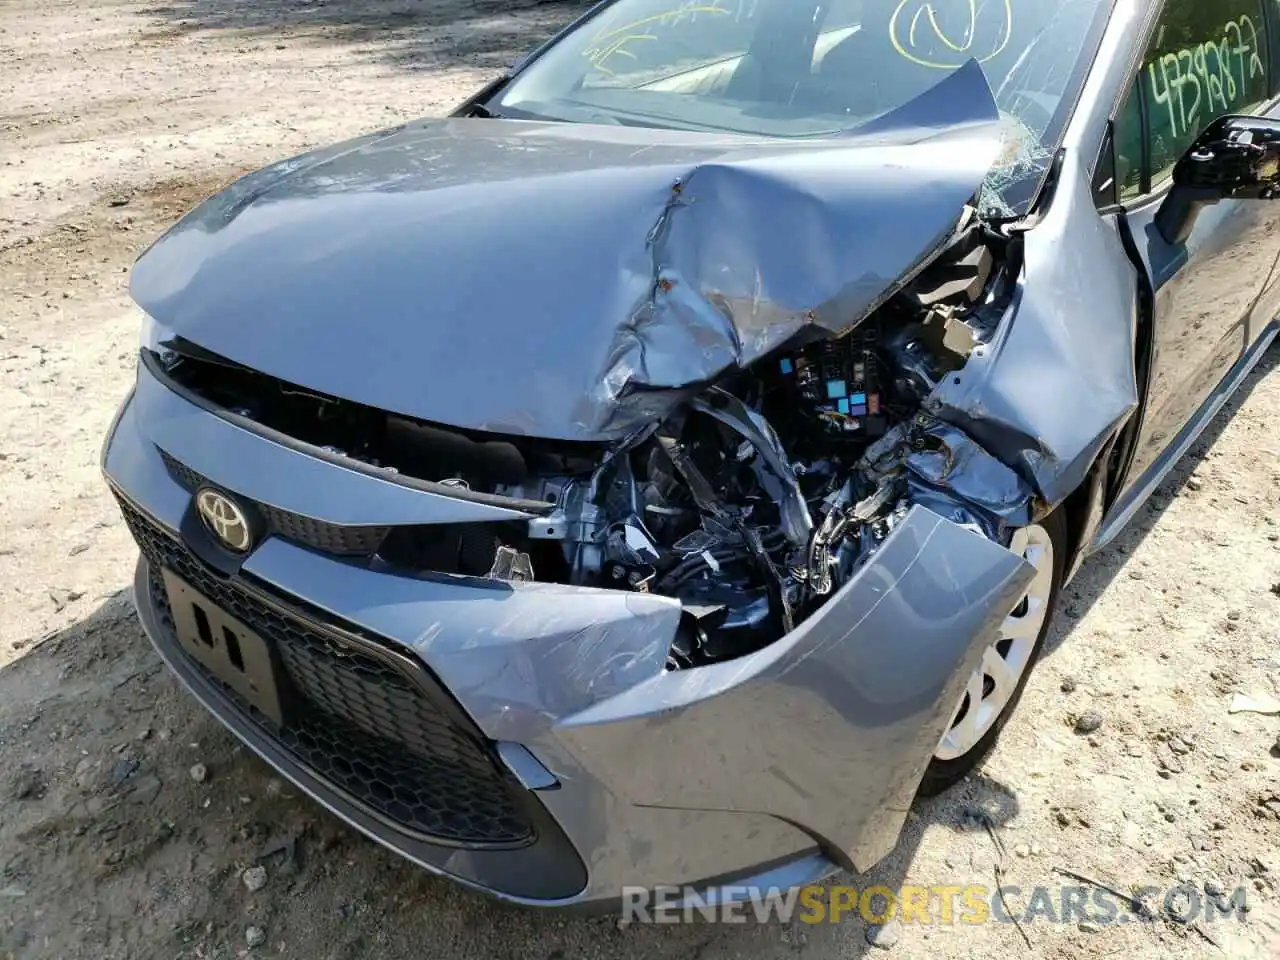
357,720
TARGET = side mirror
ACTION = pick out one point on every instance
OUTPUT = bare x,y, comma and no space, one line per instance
1236,158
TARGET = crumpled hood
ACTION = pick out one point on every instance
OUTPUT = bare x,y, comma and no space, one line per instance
561,280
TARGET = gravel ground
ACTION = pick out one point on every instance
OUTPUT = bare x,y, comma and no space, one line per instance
127,817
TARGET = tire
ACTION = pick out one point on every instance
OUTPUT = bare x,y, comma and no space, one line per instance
962,750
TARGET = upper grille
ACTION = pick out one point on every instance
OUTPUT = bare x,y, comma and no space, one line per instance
364,723
332,538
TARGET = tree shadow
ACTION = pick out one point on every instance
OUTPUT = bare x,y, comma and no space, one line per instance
412,34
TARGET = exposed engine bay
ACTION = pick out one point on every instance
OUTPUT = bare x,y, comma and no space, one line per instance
768,490
752,503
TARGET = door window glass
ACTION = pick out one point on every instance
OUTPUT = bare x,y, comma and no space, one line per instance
1206,60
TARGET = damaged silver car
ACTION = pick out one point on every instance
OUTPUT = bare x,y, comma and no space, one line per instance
665,467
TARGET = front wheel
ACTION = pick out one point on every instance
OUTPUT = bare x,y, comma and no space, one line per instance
995,687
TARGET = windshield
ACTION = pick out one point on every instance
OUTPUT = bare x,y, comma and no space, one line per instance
806,68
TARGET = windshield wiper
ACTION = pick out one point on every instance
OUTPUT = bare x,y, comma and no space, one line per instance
486,113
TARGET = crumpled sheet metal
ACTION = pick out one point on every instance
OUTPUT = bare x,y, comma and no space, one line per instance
1058,380
557,280
951,461
751,250
946,471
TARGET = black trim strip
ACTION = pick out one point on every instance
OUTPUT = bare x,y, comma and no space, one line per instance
536,507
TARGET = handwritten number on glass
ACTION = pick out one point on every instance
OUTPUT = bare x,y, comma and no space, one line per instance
1208,80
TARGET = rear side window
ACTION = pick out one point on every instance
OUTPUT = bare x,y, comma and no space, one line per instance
1207,59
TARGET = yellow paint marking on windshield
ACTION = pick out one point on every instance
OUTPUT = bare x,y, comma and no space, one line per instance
614,41
993,21
673,15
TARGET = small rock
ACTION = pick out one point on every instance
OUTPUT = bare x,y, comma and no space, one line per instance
27,784
1233,615
1022,850
1170,816
1195,483
255,937
1068,685
78,549
255,878
123,770
1088,926
1088,722
1062,818
1036,849
793,936
1214,887
144,733
1136,574
1275,588
118,201
145,789
884,936
199,773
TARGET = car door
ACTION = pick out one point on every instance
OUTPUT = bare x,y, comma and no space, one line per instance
1205,59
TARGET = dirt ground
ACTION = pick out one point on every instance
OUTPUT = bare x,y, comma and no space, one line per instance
115,117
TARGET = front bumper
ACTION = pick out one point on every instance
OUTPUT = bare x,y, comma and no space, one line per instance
774,769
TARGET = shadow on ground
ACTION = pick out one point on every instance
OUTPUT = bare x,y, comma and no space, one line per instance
1103,567
414,34
129,816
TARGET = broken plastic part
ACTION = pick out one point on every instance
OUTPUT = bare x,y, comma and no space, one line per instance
510,564
775,475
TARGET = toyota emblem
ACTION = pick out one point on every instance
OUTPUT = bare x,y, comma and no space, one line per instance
224,519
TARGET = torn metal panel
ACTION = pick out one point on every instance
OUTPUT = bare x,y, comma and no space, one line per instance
946,459
563,281
1058,379
830,727
747,253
